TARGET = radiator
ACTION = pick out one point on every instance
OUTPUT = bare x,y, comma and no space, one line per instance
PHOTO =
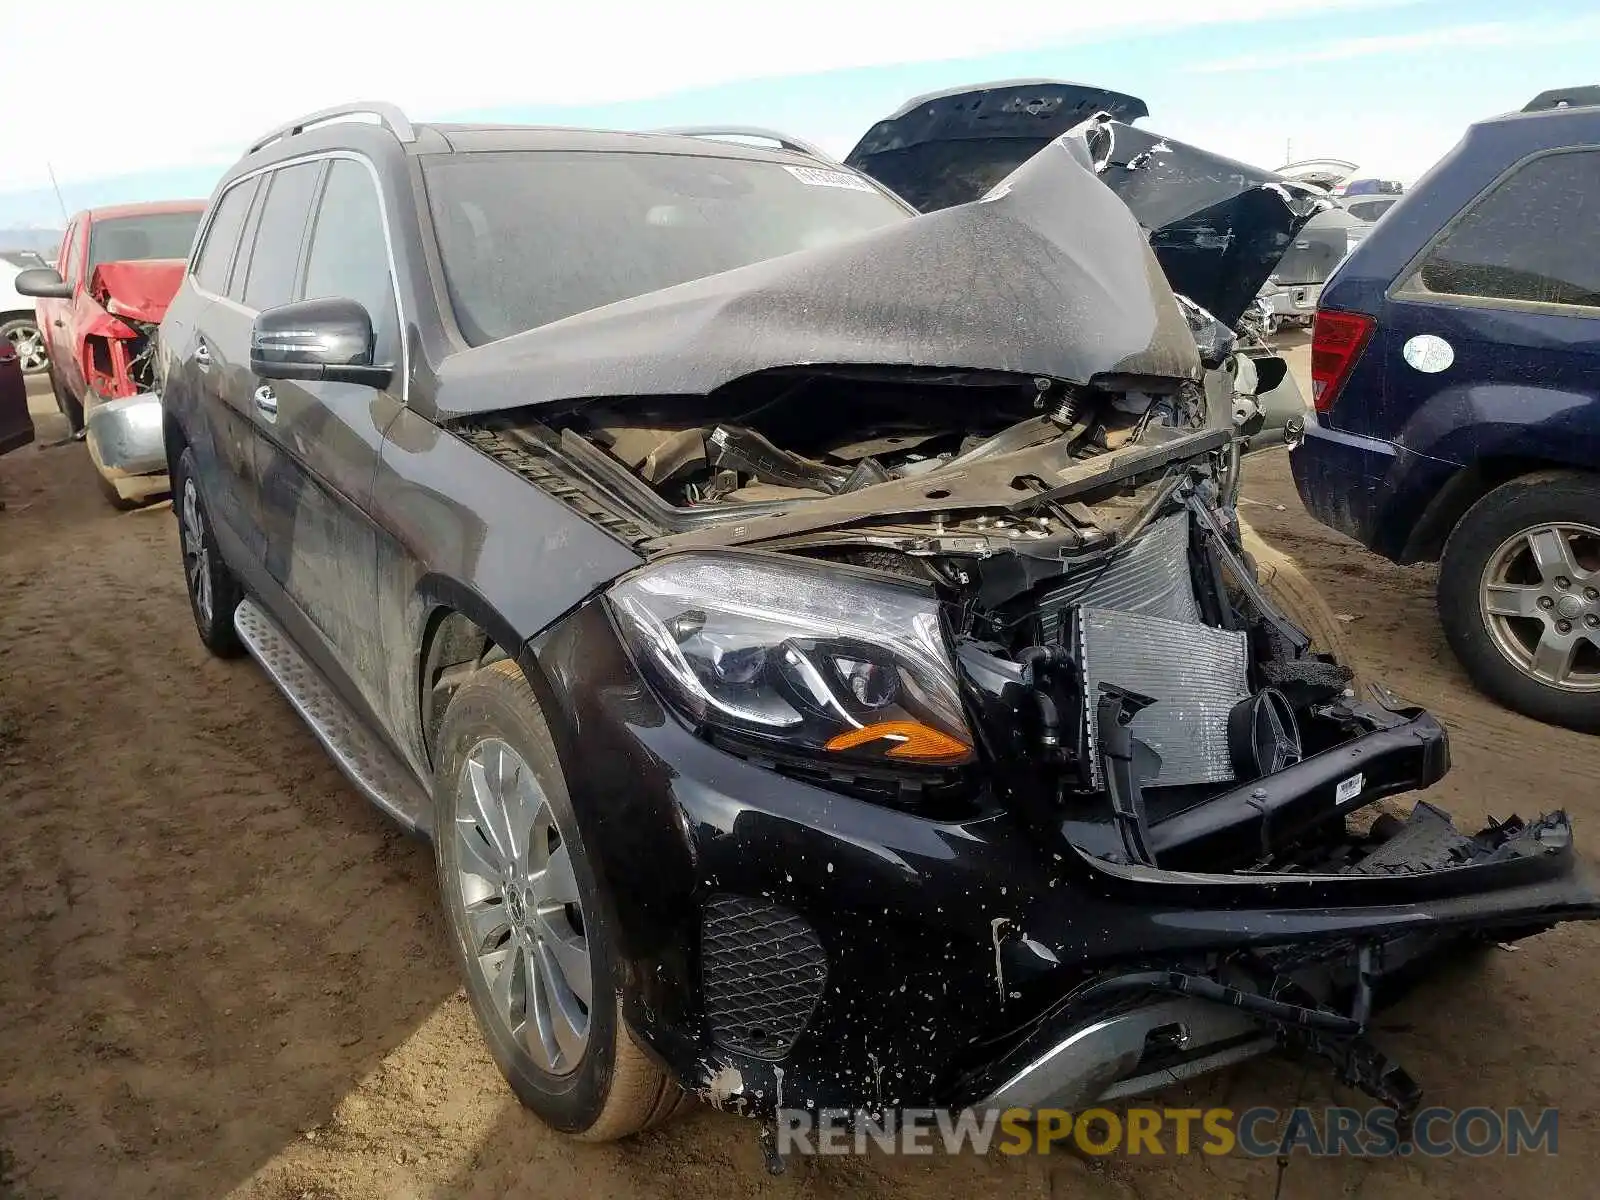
1151,576
1195,673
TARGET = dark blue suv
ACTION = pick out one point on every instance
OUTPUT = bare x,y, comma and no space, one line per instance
1456,378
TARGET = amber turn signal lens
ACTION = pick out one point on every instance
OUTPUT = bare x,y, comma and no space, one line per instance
912,739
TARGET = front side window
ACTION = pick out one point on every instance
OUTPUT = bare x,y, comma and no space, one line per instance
1530,240
211,268
527,238
151,235
276,252
72,252
349,256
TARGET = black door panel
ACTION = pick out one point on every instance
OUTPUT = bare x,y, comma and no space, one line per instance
318,444
224,379
318,454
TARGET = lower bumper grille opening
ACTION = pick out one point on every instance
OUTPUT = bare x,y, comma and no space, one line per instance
762,975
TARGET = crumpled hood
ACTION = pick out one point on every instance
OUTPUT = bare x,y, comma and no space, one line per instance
1218,226
1054,278
140,290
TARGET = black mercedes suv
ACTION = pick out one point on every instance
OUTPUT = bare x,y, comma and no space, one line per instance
816,636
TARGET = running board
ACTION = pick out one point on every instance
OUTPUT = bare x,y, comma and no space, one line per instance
371,766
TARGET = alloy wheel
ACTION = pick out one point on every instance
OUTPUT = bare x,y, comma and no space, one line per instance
196,557
1540,600
520,911
29,343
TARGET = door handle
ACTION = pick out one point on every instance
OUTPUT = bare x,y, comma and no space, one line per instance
202,354
267,400
59,323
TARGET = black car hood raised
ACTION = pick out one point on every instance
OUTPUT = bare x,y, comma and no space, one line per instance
1218,226
951,147
1054,278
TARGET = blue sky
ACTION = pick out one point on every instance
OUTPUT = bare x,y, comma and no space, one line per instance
1388,83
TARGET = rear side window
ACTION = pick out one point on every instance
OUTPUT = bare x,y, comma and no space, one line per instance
282,228
349,256
1531,240
216,253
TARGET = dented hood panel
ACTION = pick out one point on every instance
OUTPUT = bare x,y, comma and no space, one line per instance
140,290
1053,278
1218,226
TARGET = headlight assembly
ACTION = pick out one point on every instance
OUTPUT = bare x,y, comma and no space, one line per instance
805,659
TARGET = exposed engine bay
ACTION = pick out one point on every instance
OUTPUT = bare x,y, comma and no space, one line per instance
1133,684
1123,682
805,435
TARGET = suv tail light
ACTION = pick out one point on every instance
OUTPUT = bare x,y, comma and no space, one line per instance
1337,339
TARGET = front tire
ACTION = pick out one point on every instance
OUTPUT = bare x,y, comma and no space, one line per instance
1519,596
214,593
66,402
521,899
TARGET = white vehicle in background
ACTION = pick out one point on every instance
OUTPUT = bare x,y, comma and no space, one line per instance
19,324
1290,294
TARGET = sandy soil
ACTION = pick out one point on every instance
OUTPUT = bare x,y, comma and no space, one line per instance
223,973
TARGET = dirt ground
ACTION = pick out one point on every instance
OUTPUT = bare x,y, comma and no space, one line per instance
222,973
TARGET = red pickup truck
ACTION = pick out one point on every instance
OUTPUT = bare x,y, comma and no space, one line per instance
99,310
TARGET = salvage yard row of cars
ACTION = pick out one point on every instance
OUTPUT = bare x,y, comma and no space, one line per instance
804,602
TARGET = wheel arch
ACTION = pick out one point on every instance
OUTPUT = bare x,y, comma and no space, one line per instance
463,632
173,437
1464,489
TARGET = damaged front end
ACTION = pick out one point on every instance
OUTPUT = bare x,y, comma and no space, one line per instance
951,749
130,298
1156,798
122,410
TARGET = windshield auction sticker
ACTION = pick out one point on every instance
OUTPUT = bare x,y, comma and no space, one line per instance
821,177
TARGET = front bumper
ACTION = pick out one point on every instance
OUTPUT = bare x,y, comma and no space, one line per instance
782,944
125,437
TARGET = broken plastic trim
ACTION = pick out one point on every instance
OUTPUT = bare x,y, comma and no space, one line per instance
1202,988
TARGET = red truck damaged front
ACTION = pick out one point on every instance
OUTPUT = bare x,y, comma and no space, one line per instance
100,310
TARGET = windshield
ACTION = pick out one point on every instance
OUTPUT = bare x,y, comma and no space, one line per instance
527,238
153,235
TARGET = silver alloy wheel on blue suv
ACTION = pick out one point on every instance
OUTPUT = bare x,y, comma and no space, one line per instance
1519,596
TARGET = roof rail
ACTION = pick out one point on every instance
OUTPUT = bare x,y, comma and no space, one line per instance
389,116
1573,97
749,131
